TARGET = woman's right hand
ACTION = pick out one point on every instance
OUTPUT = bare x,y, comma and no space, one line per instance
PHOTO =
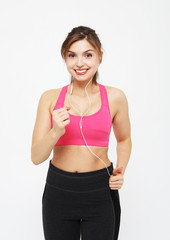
61,118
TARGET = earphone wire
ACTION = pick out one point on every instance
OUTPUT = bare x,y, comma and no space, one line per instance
81,121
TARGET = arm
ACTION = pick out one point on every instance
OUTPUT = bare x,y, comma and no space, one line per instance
44,138
122,131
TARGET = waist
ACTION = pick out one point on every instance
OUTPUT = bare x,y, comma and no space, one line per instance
74,158
78,182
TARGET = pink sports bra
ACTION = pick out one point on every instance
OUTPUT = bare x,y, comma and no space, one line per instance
96,127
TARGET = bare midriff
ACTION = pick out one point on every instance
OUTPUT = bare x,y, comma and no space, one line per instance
78,158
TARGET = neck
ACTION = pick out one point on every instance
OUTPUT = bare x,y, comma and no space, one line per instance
79,87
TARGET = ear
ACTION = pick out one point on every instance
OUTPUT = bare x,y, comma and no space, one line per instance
100,57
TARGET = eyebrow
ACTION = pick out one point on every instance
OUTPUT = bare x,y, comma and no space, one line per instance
84,52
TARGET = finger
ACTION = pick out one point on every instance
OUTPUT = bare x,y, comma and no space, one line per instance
117,171
115,182
61,109
115,188
64,113
116,185
65,117
67,107
115,178
120,170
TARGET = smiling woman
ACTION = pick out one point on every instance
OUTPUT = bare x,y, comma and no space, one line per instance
80,61
81,196
95,46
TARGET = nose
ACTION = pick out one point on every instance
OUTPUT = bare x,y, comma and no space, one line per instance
79,62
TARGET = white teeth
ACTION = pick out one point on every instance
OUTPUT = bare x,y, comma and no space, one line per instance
81,71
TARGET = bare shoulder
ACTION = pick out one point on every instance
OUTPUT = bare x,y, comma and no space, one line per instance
117,100
50,97
116,94
48,94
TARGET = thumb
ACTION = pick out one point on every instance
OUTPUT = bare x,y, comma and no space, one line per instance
68,107
117,170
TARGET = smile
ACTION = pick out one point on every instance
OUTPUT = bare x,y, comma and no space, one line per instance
81,72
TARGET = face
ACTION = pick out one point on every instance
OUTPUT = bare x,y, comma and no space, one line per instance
82,56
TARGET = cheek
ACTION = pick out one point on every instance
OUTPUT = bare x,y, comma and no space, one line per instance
94,63
69,66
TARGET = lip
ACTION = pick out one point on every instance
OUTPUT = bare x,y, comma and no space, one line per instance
83,73
81,69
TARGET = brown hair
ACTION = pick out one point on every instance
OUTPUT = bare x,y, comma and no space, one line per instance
79,33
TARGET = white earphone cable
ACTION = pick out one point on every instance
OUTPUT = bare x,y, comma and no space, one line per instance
81,122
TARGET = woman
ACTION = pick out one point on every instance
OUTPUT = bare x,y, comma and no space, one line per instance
81,191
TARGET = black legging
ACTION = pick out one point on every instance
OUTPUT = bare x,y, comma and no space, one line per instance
80,204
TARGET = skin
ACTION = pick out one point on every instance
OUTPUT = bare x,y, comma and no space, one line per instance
68,157
80,60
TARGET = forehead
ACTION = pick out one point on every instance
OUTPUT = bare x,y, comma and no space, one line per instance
81,46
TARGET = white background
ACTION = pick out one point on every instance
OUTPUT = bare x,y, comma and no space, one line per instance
135,36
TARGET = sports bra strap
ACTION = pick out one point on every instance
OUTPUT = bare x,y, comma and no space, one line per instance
104,95
60,101
61,98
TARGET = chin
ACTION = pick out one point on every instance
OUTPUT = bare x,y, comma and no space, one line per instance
82,79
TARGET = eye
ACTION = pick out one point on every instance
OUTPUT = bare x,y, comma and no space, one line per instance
71,55
89,55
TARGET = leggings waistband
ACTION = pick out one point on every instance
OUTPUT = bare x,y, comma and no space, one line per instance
78,182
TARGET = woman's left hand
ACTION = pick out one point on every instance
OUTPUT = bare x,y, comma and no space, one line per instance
116,179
